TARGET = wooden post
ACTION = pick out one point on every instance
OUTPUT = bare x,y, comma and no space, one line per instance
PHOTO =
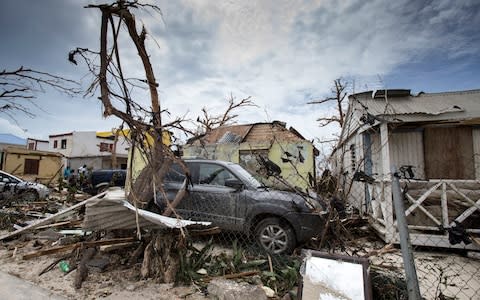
390,231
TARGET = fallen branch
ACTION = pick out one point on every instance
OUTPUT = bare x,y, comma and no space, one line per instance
75,246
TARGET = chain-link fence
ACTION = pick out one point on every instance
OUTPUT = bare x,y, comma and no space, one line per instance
443,218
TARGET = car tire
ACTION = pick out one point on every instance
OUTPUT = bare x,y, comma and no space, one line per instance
102,189
275,236
29,196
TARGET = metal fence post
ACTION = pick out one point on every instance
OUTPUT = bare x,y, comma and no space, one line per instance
406,246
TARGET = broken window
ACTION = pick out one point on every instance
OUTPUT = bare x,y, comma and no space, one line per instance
106,147
31,166
449,153
64,144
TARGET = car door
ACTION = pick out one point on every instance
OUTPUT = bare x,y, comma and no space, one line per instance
211,199
7,186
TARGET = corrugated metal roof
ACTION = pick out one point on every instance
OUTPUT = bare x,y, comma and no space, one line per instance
467,103
7,138
229,137
114,212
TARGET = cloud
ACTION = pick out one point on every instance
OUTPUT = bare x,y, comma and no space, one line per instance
8,127
282,53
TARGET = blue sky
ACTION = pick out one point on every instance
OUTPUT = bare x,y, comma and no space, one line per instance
282,53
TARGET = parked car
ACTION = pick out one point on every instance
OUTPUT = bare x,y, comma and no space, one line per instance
227,195
100,180
12,188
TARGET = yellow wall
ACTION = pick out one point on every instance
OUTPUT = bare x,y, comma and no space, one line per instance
294,171
14,163
139,160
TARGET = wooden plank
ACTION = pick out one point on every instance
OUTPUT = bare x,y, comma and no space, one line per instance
70,223
425,211
51,218
77,245
449,152
444,205
421,199
466,214
464,196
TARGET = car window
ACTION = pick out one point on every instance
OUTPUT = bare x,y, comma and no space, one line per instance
6,178
175,174
213,174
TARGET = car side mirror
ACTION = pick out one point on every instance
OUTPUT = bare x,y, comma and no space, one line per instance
234,183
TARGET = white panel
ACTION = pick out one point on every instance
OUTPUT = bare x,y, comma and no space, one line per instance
476,151
376,154
407,149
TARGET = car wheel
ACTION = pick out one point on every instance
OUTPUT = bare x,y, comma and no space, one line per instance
275,236
29,196
102,189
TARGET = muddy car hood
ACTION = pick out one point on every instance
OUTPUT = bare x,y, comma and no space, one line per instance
288,198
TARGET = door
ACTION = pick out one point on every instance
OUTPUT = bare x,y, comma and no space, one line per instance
212,199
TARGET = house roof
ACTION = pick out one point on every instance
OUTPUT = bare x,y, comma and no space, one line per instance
7,138
16,150
455,105
256,132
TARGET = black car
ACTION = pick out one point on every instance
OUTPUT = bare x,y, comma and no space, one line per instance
230,197
100,180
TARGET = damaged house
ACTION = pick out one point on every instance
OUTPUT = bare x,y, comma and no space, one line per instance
433,140
266,149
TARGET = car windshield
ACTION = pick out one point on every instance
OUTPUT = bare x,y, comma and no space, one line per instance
247,176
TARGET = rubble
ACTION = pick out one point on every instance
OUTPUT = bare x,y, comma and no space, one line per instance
223,289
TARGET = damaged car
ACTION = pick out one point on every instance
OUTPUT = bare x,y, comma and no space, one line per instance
14,188
227,195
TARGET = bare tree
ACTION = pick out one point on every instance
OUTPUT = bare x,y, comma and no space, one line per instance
19,87
338,96
117,97
209,122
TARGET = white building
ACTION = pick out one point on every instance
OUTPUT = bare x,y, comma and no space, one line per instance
40,145
94,149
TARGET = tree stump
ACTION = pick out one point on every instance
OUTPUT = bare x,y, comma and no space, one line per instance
161,257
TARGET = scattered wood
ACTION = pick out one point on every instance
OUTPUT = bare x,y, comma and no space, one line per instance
51,218
202,232
389,248
60,249
234,276
63,223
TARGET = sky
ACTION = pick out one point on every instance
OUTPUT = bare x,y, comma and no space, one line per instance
281,53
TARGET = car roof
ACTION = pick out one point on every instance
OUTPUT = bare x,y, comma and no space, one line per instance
204,160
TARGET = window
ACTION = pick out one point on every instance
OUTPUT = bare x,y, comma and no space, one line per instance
213,174
31,166
31,146
64,144
106,147
55,144
175,174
